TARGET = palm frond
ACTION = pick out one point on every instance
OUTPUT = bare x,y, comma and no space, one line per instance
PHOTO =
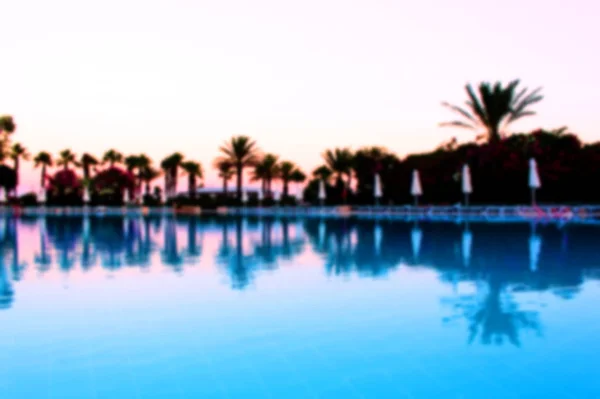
458,124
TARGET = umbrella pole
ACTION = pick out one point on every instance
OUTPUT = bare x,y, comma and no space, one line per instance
533,197
416,200
466,199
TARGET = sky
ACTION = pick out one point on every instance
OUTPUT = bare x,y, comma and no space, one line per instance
299,77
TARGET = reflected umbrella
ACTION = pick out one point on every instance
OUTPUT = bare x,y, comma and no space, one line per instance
322,231
377,236
2,227
416,236
535,247
467,241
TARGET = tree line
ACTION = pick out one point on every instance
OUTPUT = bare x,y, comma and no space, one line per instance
498,163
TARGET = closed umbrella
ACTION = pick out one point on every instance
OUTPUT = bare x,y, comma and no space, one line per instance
299,194
86,195
260,197
534,179
126,196
415,188
276,196
466,183
377,189
42,196
244,197
322,193
2,195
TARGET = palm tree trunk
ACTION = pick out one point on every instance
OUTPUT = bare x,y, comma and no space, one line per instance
43,177
16,175
174,181
225,186
192,185
239,171
285,187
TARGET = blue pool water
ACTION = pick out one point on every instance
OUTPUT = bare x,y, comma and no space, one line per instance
249,308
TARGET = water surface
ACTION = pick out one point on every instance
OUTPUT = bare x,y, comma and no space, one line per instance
292,308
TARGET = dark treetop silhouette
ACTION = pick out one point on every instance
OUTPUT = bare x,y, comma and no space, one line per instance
498,162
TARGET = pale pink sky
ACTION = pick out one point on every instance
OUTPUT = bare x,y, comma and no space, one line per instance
299,77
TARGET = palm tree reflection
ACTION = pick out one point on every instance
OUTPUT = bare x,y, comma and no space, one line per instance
469,256
6,290
43,258
193,251
170,254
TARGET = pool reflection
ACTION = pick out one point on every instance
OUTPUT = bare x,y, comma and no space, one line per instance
488,264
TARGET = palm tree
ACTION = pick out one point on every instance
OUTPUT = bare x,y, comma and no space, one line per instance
143,162
340,161
112,157
194,172
297,176
7,127
494,108
147,175
242,152
18,152
65,158
170,165
132,163
43,159
225,168
289,172
87,161
268,166
7,124
260,174
322,173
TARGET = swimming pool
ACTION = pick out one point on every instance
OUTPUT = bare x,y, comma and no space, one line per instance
292,308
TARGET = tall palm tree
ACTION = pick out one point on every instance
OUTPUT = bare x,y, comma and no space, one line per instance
43,159
243,153
269,168
287,172
65,158
144,162
112,157
147,175
297,176
259,173
322,173
18,153
131,163
494,108
194,172
170,165
7,124
340,161
225,168
7,127
87,161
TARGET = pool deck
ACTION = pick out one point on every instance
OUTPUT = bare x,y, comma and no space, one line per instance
586,214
